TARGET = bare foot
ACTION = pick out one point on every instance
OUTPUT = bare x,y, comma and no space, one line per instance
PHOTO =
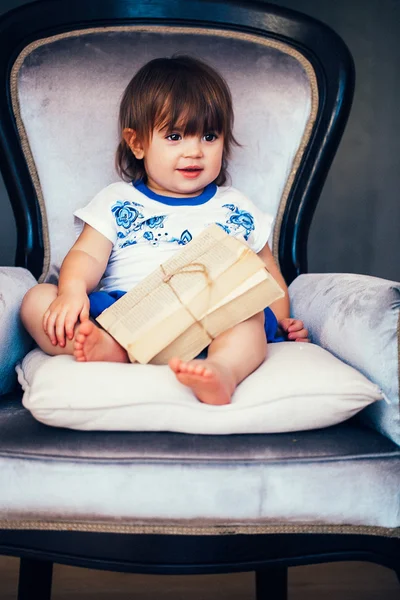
94,344
210,381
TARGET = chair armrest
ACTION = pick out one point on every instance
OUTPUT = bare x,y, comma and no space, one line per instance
356,318
14,341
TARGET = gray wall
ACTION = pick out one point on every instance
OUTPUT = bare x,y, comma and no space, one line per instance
356,225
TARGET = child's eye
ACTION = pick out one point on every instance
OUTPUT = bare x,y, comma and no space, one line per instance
174,137
209,137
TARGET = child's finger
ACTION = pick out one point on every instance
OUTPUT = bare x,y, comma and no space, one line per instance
50,328
45,320
286,323
70,322
60,329
302,334
84,315
296,325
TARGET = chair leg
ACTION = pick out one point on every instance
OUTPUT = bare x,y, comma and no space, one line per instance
272,584
35,578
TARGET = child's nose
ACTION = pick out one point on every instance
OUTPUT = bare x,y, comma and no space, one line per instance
193,147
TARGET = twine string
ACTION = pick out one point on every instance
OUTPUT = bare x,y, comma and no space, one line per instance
191,268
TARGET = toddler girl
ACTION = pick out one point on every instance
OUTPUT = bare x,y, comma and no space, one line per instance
176,123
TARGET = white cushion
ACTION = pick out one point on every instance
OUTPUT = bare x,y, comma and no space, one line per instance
299,386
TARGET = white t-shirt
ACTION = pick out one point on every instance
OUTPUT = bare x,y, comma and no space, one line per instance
146,229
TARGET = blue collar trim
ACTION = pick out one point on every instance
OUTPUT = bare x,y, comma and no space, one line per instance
209,191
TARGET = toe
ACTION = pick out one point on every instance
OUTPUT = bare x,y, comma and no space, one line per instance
174,364
79,338
85,328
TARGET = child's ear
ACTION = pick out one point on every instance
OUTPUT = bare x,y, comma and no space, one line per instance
133,142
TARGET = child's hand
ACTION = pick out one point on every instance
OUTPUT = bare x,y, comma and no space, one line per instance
62,315
294,329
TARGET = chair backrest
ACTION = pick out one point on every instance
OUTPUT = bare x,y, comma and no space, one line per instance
290,77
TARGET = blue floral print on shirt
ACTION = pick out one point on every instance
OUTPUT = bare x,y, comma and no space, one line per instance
238,219
125,213
133,227
154,222
224,227
128,243
130,220
185,238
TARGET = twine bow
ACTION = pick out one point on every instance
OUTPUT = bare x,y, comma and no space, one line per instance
191,268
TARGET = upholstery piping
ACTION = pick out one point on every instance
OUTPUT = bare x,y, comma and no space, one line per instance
194,528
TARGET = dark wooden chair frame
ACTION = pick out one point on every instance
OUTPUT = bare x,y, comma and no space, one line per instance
268,555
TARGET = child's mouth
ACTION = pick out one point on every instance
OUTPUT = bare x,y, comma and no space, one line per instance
190,172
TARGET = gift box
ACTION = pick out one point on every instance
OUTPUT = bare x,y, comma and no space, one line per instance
213,283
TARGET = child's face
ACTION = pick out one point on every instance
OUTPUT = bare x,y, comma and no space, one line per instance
182,165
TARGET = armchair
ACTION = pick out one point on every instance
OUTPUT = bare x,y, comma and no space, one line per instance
163,501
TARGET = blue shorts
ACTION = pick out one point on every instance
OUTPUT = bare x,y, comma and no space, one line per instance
99,301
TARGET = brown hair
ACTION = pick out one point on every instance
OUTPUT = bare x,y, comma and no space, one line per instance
170,92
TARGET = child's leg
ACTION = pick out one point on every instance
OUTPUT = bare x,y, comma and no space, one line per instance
35,303
91,344
232,356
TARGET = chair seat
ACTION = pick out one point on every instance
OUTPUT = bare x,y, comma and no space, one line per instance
23,436
343,475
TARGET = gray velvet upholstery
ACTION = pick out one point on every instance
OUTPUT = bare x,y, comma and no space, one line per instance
100,479
73,146
357,318
258,492
14,341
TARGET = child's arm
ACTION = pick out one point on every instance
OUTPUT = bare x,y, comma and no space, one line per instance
80,272
293,328
281,307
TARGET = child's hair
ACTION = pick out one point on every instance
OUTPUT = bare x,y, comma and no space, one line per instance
180,91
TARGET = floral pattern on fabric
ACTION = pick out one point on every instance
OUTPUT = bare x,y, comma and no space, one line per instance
133,227
185,238
238,220
130,221
125,213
